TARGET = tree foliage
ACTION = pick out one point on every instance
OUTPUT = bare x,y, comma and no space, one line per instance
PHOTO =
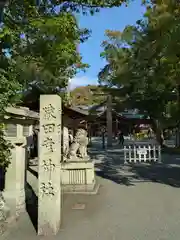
38,45
42,42
42,38
87,95
143,62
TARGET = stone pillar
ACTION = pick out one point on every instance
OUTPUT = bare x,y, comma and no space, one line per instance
14,192
49,206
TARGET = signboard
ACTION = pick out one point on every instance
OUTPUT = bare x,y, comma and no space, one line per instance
141,151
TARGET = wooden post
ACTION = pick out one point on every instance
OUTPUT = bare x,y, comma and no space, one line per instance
103,130
109,121
116,134
90,134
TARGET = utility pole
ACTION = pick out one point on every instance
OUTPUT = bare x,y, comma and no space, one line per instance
109,120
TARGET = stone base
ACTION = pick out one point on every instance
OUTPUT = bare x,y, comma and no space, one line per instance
76,159
79,178
16,200
9,222
7,217
81,189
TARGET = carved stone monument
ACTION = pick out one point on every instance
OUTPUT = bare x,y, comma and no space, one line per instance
78,175
78,148
49,206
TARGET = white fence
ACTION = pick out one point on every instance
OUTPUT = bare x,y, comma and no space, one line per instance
146,153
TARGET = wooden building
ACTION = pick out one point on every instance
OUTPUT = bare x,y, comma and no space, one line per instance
71,116
119,122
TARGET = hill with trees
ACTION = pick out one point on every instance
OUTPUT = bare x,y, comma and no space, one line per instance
87,95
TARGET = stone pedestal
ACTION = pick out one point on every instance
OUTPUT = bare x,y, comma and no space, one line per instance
14,192
78,177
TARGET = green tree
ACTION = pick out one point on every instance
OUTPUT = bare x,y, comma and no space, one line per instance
143,63
87,95
41,38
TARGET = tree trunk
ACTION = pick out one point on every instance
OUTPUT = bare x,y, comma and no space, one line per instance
158,132
109,121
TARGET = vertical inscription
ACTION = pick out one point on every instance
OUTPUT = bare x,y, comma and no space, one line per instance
48,166
49,112
47,189
49,144
49,127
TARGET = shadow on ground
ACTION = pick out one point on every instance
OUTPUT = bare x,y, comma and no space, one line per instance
2,179
109,171
31,204
112,167
32,171
160,173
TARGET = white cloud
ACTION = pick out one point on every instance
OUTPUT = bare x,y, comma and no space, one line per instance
81,81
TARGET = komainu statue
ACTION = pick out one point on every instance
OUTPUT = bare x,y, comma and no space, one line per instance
4,210
78,148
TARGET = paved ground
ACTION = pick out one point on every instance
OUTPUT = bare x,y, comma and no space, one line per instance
134,203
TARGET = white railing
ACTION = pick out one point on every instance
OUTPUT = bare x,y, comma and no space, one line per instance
146,153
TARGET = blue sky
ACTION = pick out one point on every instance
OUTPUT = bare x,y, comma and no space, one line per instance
112,19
